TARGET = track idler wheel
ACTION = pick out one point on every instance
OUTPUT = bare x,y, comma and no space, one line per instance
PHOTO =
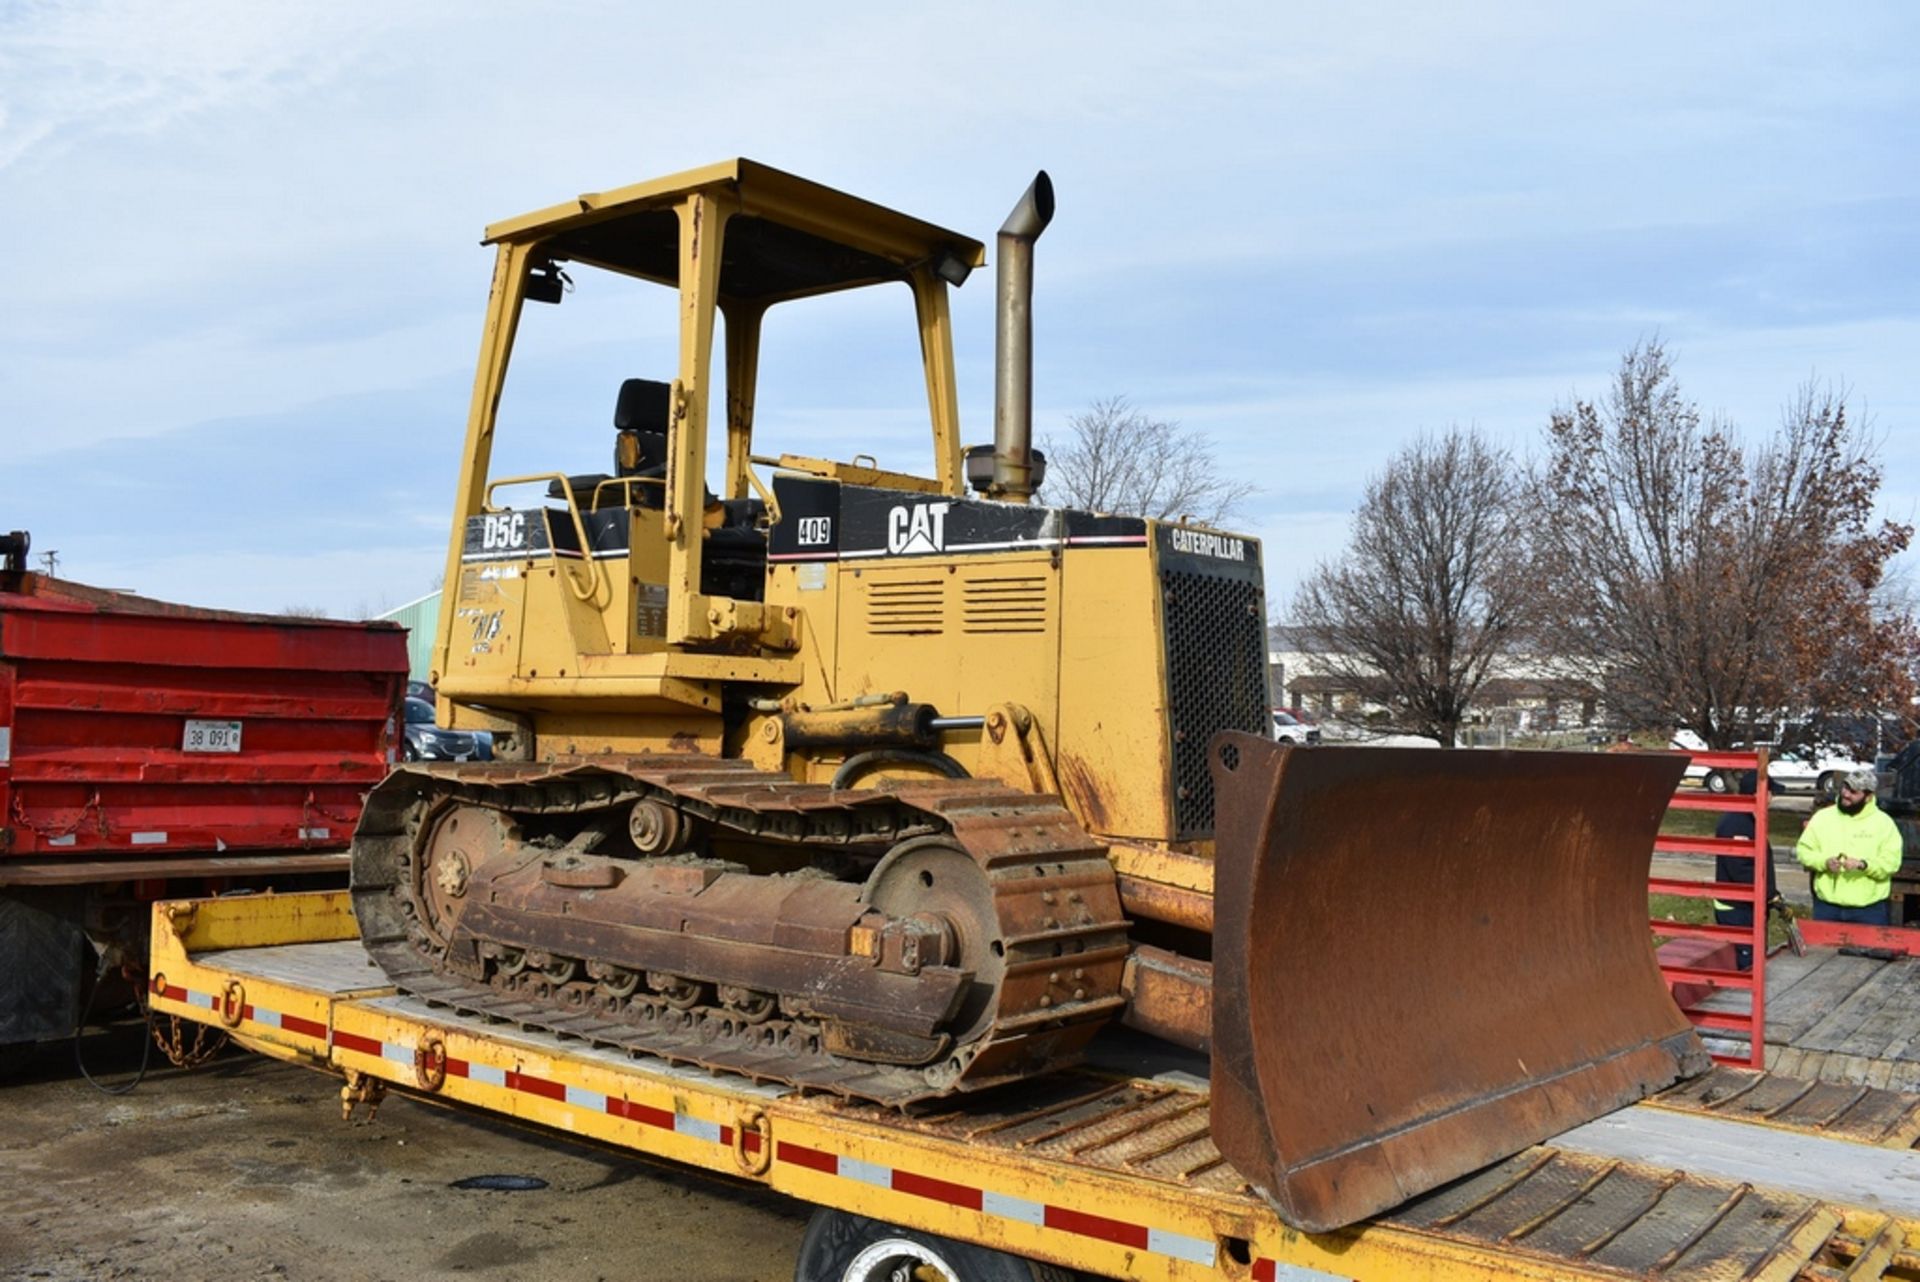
455,840
935,883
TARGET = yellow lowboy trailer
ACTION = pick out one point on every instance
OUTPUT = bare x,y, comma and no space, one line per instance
1737,1175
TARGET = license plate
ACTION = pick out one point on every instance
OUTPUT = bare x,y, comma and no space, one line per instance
211,736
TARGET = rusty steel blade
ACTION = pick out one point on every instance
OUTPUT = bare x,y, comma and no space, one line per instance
1427,960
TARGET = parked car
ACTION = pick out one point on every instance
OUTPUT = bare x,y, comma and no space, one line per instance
420,690
1817,770
426,741
1289,728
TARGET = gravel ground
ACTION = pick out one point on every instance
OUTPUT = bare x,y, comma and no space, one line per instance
242,1169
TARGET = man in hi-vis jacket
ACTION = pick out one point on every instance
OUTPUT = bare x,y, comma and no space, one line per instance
1852,849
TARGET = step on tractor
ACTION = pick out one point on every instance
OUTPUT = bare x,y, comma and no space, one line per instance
892,784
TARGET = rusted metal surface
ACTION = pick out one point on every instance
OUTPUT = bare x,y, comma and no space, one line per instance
83,872
1429,961
905,725
1169,996
1638,1221
1134,1127
1868,1114
1156,901
885,944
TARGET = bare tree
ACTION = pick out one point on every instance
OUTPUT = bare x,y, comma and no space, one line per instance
1430,587
1117,459
1717,587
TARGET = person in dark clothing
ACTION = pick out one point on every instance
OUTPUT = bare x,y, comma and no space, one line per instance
1729,868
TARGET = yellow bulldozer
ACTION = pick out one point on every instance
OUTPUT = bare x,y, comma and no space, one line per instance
897,785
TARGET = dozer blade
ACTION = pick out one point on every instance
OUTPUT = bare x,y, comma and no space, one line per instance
1425,961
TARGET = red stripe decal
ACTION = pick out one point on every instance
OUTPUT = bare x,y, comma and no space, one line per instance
1097,1226
937,1190
536,1086
174,993
1264,1270
304,1027
811,1158
456,1067
753,1140
645,1114
246,1010
355,1042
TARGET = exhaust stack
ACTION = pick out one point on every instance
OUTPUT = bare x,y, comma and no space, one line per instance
1013,342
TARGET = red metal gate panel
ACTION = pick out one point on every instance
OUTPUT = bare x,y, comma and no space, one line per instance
1693,981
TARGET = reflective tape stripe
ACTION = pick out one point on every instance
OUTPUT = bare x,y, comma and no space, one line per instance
1014,1208
1139,1237
581,1098
708,1131
1180,1247
1265,1270
866,1172
487,1074
149,838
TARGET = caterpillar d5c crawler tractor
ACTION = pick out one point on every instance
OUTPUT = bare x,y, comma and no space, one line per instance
846,778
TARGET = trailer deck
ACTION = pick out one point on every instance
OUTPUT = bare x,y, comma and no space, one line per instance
1843,1018
1109,1168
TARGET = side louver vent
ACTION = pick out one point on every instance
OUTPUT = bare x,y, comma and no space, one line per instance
907,607
1009,603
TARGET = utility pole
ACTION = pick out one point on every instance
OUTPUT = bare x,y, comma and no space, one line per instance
50,559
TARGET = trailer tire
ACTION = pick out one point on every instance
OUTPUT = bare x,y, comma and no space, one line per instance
842,1247
45,961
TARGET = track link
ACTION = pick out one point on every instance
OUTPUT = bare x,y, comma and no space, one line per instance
1059,921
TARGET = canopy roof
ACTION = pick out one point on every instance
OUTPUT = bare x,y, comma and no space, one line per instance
791,237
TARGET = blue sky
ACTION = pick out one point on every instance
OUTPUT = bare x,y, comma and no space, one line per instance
244,289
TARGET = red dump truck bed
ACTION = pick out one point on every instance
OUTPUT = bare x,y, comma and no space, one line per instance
143,743
130,726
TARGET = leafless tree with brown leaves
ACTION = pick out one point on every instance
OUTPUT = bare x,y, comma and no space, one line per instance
1430,588
1716,586
1115,458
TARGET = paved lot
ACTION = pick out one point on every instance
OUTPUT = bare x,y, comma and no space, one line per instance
243,1170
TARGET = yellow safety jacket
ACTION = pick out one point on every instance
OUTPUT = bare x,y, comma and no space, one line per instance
1869,835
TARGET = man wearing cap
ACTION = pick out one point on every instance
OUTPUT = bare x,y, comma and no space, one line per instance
1852,849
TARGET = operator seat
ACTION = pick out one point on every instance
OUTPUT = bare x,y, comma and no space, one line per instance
639,451
640,417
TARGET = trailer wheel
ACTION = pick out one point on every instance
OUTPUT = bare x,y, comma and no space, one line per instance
842,1247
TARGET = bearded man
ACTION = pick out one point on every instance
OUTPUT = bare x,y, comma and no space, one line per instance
1852,849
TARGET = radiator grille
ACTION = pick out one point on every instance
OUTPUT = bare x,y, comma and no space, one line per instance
1216,680
1005,603
907,607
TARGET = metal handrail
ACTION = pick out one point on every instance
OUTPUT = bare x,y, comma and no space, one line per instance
579,527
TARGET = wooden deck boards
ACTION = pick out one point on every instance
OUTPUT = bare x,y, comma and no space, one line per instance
1840,1018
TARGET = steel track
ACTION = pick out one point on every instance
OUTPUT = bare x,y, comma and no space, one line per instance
1059,916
